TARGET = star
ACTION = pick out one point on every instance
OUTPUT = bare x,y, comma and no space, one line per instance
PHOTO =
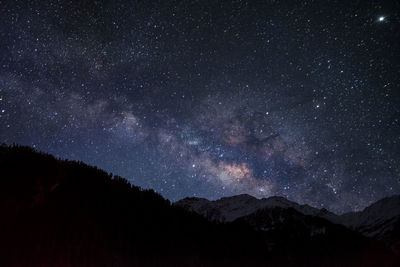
184,100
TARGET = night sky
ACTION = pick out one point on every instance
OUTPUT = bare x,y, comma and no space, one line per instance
211,98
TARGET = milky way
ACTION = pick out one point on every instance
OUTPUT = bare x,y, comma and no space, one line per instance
211,98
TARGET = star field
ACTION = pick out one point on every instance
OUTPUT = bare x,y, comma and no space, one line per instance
211,98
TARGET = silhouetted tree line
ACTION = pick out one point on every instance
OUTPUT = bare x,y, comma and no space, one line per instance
57,212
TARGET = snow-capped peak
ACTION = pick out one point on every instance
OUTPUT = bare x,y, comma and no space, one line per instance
229,209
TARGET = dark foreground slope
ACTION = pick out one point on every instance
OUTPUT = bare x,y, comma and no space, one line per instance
64,213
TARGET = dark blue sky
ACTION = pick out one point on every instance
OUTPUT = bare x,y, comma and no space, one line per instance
211,98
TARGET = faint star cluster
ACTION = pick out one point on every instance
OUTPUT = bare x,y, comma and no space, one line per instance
211,98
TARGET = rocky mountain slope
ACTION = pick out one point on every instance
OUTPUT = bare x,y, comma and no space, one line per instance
380,221
228,209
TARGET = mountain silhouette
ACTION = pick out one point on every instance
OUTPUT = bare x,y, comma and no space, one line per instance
64,213
380,220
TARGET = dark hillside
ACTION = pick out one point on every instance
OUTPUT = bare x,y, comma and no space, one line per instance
57,211
64,213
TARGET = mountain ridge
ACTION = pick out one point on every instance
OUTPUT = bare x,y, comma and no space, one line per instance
245,199
380,220
60,212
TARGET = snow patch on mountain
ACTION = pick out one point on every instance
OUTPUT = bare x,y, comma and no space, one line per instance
228,209
375,220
